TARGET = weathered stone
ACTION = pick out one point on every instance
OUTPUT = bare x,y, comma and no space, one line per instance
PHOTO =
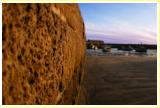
43,53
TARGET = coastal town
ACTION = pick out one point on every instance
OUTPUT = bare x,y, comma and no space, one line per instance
99,47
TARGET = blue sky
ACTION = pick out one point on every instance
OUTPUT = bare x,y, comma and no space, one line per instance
121,22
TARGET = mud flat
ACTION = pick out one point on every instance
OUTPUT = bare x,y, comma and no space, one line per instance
121,80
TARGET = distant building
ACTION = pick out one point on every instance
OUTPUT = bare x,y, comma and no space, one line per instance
98,43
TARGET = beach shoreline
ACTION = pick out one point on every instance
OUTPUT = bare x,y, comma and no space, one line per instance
121,80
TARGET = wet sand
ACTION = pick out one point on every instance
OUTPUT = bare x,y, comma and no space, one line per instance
121,80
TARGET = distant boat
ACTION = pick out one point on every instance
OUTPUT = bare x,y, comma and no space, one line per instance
106,49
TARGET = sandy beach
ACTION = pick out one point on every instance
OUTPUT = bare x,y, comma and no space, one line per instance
121,80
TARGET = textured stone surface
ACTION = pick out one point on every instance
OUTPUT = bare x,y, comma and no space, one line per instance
43,53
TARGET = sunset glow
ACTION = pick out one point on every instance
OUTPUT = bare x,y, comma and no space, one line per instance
121,22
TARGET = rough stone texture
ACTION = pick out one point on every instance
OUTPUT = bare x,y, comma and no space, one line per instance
43,53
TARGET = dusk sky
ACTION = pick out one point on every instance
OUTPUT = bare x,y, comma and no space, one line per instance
121,22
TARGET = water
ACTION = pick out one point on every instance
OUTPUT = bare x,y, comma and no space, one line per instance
151,52
115,51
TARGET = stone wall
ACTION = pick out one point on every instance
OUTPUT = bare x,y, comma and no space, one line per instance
43,53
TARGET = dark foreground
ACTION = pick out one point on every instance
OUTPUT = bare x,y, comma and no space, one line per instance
121,80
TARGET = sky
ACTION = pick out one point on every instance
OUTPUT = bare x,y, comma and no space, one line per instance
128,23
